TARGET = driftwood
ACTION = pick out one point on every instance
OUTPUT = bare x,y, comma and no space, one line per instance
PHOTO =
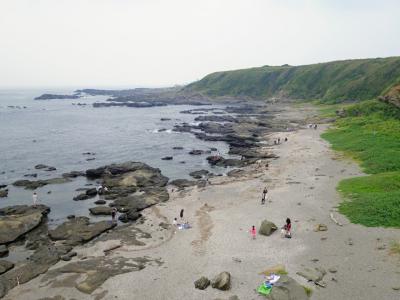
335,221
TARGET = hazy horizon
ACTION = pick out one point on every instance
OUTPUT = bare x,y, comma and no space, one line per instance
154,43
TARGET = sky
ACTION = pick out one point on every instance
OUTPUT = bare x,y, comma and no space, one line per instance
130,43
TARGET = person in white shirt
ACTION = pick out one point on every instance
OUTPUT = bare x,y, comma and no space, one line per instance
35,198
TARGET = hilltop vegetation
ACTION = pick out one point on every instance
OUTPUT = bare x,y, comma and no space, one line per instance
331,82
370,132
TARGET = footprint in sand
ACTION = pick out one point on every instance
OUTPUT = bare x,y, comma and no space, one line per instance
205,225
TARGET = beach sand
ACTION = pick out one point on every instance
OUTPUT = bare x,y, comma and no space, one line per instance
302,185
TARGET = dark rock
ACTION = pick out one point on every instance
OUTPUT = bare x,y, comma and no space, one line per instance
100,202
167,158
199,174
50,169
91,192
162,130
101,210
71,217
222,281
5,266
196,152
81,197
73,174
213,149
31,175
202,283
41,166
54,96
213,118
267,228
2,186
165,119
3,193
3,250
28,184
177,148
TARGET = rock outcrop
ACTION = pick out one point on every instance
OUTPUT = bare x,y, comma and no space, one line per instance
17,220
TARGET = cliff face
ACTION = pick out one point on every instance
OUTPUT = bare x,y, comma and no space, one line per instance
337,81
393,96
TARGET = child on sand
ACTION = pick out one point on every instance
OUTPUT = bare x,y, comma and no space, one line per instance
286,229
253,232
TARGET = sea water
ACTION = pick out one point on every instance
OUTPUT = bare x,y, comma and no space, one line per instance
57,133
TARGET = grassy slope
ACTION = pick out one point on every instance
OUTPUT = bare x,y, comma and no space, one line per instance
331,82
371,134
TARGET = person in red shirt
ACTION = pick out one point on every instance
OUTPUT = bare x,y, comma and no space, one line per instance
253,232
288,228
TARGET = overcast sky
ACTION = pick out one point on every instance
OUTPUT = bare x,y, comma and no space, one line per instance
122,43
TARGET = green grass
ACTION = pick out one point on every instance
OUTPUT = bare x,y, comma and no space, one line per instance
370,133
331,82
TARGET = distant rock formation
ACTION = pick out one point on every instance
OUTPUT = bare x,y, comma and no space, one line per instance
54,96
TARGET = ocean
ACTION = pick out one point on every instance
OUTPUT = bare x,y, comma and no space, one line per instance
57,133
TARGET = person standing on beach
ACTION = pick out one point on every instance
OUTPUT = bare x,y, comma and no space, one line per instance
264,195
253,232
35,198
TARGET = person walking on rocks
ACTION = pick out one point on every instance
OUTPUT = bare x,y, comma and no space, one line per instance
114,215
253,232
35,198
264,195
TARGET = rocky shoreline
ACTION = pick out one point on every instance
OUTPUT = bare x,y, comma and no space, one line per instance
132,187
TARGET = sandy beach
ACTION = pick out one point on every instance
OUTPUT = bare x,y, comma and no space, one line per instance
302,185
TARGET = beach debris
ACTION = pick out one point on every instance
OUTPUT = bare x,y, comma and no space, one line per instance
267,228
222,281
350,242
320,227
202,283
334,220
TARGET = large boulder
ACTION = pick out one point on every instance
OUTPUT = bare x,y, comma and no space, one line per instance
287,289
17,220
202,283
267,228
222,281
